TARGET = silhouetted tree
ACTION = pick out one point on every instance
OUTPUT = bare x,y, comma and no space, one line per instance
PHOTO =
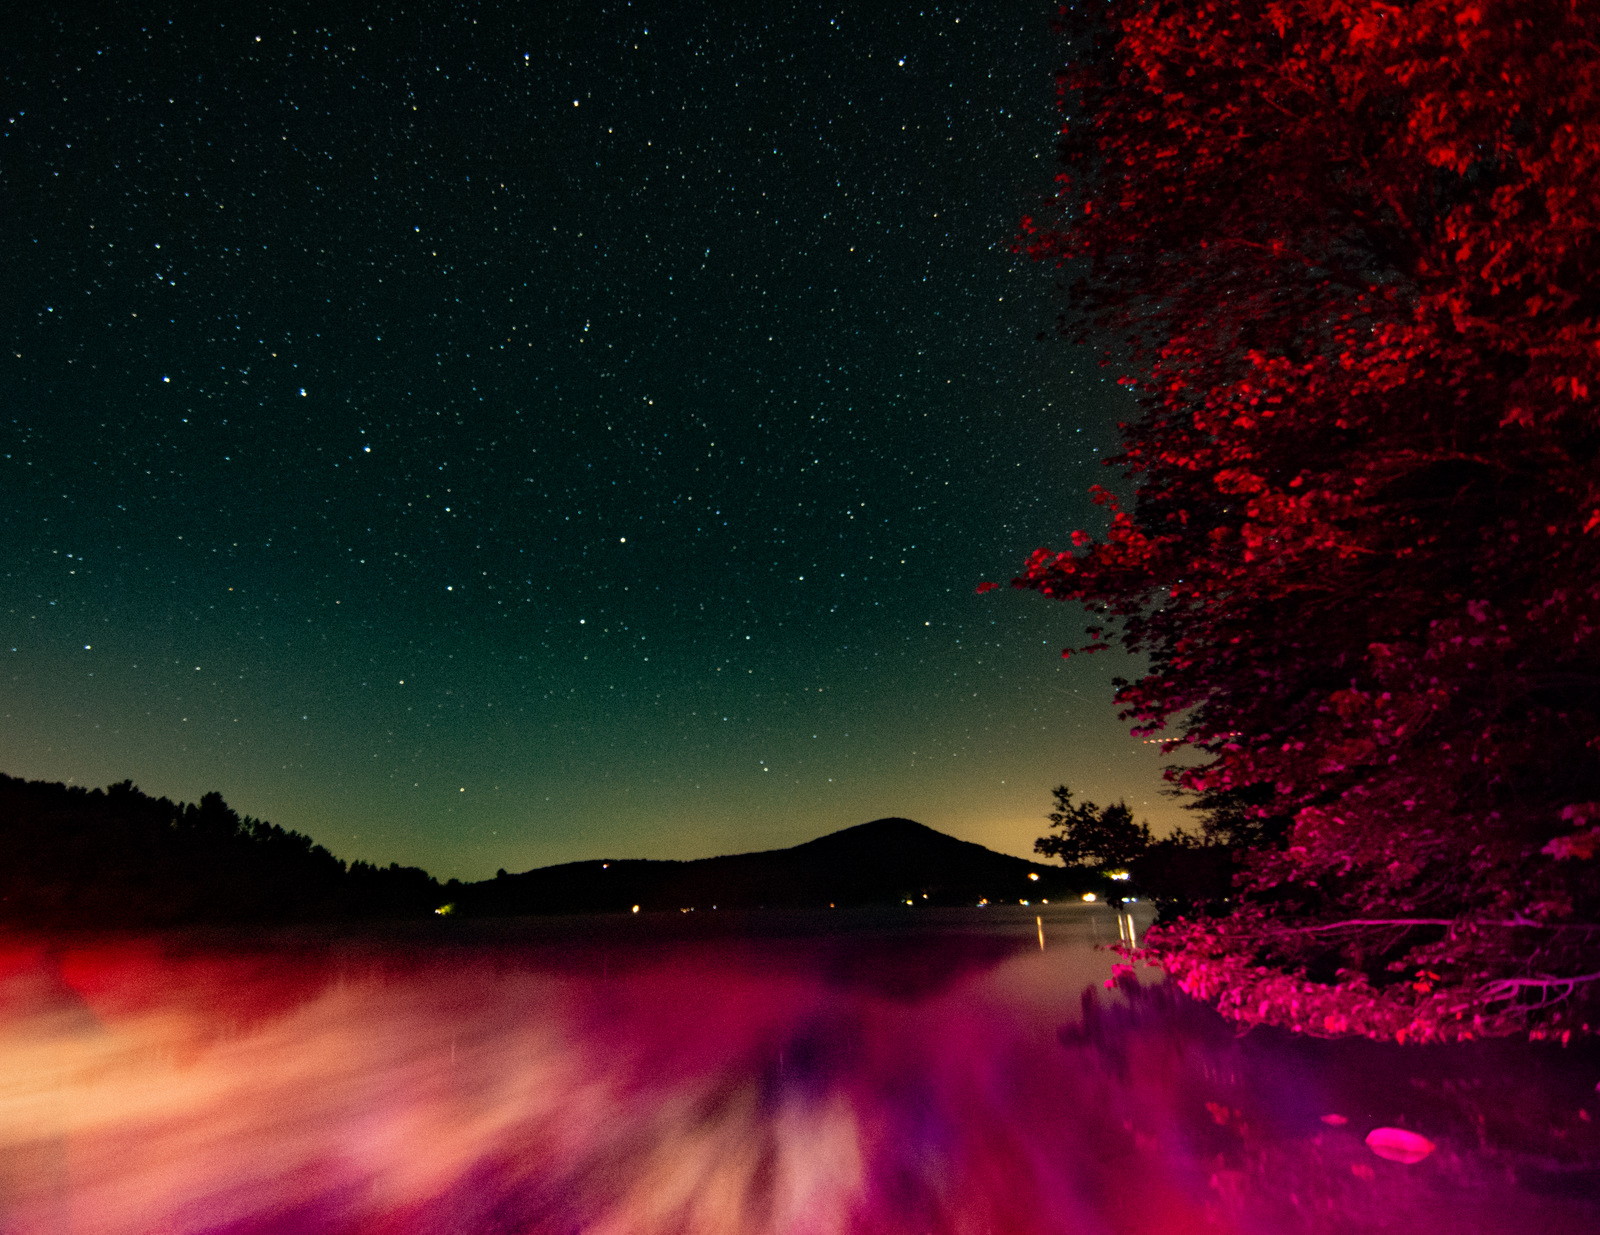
1092,836
1183,872
1349,253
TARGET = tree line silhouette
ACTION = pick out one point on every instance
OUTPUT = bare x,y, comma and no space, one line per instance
116,857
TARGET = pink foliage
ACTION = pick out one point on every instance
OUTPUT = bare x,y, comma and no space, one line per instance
1362,560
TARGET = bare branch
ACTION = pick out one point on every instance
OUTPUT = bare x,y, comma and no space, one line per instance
1554,989
1508,923
1335,926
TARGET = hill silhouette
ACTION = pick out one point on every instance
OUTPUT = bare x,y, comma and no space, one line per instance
882,862
118,858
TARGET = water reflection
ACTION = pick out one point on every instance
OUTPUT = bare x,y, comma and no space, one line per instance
935,1073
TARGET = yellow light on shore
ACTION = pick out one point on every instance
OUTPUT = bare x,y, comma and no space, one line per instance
1090,897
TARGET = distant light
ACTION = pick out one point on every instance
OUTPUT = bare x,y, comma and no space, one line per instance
444,911
302,392
1022,902
636,909
1034,876
166,379
1118,875
1089,896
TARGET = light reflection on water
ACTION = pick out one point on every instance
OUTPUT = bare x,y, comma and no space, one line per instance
600,1077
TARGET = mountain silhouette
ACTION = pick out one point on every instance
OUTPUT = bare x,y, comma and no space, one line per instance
117,858
886,861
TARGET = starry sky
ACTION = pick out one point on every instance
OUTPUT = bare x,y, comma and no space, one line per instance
487,435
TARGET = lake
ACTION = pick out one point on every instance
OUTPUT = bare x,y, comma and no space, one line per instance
925,1070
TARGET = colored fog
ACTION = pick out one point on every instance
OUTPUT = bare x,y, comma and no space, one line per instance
938,1071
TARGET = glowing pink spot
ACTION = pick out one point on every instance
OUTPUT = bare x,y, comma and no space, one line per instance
1398,1145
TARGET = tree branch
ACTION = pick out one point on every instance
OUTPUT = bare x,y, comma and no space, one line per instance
1555,989
1509,923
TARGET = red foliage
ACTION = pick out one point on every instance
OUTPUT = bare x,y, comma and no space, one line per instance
1349,252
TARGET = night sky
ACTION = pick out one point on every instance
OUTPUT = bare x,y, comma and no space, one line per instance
487,436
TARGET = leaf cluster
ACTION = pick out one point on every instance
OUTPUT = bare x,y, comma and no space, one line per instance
1348,252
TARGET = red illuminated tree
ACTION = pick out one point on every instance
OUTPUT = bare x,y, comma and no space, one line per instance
1348,254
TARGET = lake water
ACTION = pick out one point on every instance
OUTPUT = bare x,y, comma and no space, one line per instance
919,1071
